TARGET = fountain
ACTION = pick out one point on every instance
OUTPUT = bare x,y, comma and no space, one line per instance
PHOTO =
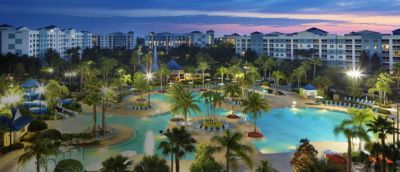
149,143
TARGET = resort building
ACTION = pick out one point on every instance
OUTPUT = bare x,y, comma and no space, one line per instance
342,50
172,40
116,40
230,39
35,43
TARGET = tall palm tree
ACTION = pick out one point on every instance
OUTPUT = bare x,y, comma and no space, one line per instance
306,66
269,65
265,166
106,67
222,71
315,62
278,75
39,149
182,101
107,97
230,143
163,71
203,66
383,86
255,105
140,83
152,164
298,73
208,96
360,117
148,59
233,91
54,91
92,98
396,73
350,131
117,163
179,142
135,60
382,126
167,148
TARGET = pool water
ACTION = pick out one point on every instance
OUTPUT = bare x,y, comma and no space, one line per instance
284,127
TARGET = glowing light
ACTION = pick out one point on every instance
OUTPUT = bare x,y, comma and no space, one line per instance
149,76
354,73
40,89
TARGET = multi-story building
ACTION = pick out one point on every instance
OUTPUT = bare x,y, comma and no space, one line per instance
230,39
343,50
172,40
35,43
116,40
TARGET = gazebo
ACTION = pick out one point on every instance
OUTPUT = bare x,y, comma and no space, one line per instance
30,83
309,91
177,73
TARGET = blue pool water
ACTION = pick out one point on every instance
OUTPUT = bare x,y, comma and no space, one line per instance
282,128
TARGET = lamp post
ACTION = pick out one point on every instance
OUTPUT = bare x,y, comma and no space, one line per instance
354,74
149,77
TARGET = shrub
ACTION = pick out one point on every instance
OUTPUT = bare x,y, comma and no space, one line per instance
51,134
69,165
37,125
12,147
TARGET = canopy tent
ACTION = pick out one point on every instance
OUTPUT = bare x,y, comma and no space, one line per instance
65,101
309,91
17,124
30,83
310,87
172,65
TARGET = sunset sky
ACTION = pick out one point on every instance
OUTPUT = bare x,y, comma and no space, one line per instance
223,16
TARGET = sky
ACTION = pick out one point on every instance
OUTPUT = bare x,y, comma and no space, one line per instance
222,16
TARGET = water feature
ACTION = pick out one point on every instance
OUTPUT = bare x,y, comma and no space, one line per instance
149,143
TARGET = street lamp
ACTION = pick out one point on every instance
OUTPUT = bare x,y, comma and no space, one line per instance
149,77
40,90
354,75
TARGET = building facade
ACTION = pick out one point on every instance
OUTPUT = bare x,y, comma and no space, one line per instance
342,50
116,40
35,43
172,40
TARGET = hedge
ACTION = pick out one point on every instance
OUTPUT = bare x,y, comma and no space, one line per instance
69,165
51,134
37,125
12,147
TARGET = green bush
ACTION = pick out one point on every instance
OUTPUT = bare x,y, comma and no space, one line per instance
51,134
37,125
12,147
69,165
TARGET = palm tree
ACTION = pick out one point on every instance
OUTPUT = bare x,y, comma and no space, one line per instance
278,75
92,98
148,59
350,131
268,65
179,143
182,101
39,149
255,104
135,60
11,98
162,71
152,164
117,163
54,91
382,126
396,73
306,66
233,91
204,160
230,142
298,73
222,71
265,166
140,83
383,86
107,96
360,117
203,66
315,61
208,96
106,67
167,148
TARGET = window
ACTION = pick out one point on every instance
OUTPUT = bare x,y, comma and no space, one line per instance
18,51
330,46
18,41
11,36
11,46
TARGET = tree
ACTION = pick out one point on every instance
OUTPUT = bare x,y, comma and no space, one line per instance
69,165
106,67
360,117
135,60
19,70
298,73
39,149
306,66
140,83
117,163
304,156
383,87
163,71
54,91
11,99
74,55
255,105
364,60
265,166
203,66
182,101
222,71
92,98
230,143
204,160
152,164
350,131
233,91
375,62
315,62
382,127
148,60
322,82
53,59
269,65
179,142
107,97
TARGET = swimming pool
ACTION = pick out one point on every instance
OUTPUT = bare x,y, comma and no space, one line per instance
284,127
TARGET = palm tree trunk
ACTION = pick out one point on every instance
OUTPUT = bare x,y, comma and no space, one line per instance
348,154
37,163
172,162
202,76
227,160
103,118
265,74
176,163
269,74
314,70
383,168
161,81
222,78
94,119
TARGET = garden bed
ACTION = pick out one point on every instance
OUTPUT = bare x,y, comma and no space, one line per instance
232,116
255,134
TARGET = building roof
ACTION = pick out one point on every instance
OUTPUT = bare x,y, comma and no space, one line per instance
30,83
364,32
256,32
310,87
396,32
210,31
196,31
5,25
235,34
317,31
172,65
48,27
